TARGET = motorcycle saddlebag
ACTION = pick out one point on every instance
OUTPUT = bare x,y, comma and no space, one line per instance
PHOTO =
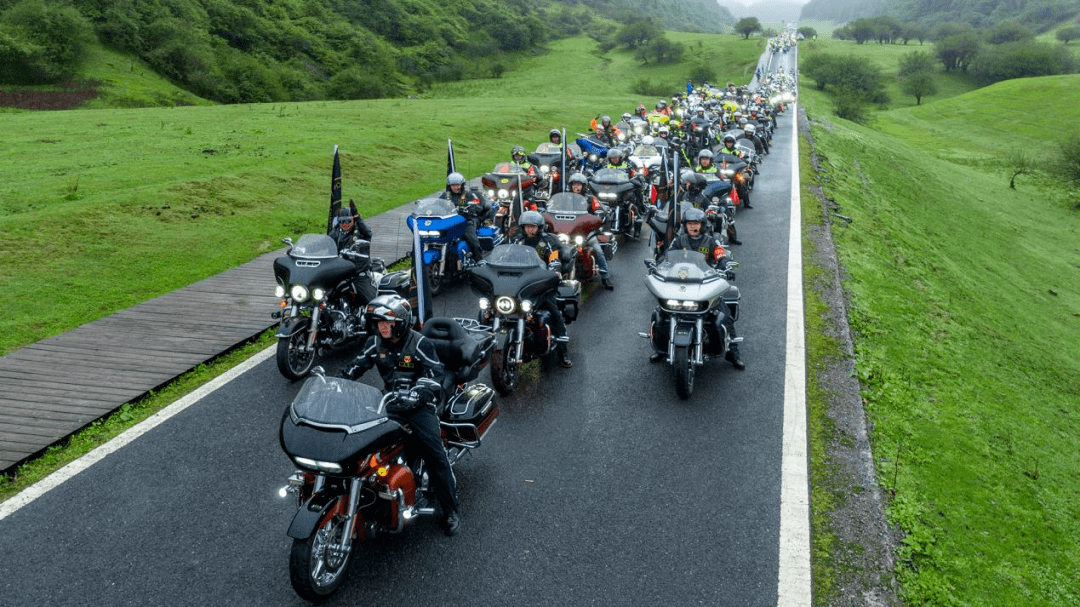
394,282
470,413
568,298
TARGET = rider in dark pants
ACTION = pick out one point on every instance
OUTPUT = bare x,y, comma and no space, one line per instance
400,353
532,235
471,206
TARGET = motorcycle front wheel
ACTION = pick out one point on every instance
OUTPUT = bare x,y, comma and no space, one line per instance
504,372
684,373
317,566
434,279
293,360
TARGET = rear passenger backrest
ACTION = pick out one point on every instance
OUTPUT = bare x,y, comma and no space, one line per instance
443,332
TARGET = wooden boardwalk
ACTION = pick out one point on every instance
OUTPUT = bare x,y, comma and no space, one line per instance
53,388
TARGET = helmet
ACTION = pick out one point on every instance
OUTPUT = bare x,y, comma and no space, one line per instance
455,178
664,130
729,140
614,155
517,150
706,153
393,308
641,108
688,178
737,114
661,104
555,133
749,127
605,120
345,219
693,214
626,116
647,140
531,218
577,178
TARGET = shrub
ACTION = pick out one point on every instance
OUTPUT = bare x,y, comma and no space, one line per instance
44,42
1021,60
1068,163
359,83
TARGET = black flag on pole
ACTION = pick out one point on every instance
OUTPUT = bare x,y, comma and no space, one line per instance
335,191
673,204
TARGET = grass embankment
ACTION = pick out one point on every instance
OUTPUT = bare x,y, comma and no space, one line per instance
964,300
102,209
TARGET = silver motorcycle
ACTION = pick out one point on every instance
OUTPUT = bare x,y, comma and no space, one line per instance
695,305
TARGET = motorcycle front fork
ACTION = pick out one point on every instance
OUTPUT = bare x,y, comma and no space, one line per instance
698,344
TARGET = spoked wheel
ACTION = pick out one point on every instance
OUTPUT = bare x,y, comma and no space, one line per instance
504,372
684,373
317,565
293,360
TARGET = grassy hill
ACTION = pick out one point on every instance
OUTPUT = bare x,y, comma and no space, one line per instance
964,297
101,209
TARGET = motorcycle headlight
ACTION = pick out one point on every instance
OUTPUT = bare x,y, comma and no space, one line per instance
638,129
727,172
504,193
579,240
526,306
564,238
504,305
299,292
545,169
430,234
592,157
484,303
318,294
491,193
677,305
279,291
622,136
606,196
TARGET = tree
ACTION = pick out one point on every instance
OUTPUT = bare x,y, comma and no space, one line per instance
1008,31
1068,162
42,43
915,62
807,32
919,85
638,33
1021,60
957,51
747,26
863,29
1068,34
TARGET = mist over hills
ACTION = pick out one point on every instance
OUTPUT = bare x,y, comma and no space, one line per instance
779,11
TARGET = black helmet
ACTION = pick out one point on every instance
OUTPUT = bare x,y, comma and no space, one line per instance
555,133
729,140
706,153
578,178
517,150
614,155
693,214
531,218
455,178
393,308
605,120
345,219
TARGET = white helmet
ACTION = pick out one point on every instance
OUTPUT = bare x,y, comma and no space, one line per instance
749,128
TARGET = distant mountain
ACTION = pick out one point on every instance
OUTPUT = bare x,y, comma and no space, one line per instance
842,11
766,11
1039,15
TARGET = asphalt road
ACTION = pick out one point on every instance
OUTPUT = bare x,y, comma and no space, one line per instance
597,486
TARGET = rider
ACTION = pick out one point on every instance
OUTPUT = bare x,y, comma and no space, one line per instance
729,147
617,161
469,205
403,354
577,184
694,238
532,235
706,165
349,229
611,133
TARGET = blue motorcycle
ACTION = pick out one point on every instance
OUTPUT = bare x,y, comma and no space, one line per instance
442,239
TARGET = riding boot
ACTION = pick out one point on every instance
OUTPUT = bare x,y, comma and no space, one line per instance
564,356
732,235
732,357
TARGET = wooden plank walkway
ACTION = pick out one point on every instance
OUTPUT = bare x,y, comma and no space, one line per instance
55,387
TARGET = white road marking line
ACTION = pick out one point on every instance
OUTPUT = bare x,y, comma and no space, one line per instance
794,582
57,478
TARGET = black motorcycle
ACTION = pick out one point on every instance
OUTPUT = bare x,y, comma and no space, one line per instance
510,283
622,193
323,294
355,481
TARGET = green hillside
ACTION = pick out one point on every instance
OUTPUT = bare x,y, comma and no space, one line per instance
964,298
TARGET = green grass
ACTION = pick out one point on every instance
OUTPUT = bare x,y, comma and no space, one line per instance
964,297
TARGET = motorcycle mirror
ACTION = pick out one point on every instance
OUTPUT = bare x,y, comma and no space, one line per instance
287,241
318,370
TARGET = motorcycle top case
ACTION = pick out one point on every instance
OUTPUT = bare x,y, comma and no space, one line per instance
336,420
470,413
568,298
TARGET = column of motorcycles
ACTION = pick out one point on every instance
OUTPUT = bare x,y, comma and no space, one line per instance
354,479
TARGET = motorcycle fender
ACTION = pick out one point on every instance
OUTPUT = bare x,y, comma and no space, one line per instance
501,339
308,516
292,326
431,256
684,335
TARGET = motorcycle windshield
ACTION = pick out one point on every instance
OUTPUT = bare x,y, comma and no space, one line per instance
337,403
568,202
515,256
434,207
644,152
610,177
683,265
549,148
314,246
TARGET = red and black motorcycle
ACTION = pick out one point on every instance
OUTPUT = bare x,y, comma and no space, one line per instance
355,480
568,217
511,187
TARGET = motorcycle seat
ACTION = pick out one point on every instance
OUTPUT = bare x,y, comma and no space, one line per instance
457,350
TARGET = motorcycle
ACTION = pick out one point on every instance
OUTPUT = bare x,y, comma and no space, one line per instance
442,238
568,217
618,190
693,302
355,481
322,307
506,185
548,159
509,284
593,153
